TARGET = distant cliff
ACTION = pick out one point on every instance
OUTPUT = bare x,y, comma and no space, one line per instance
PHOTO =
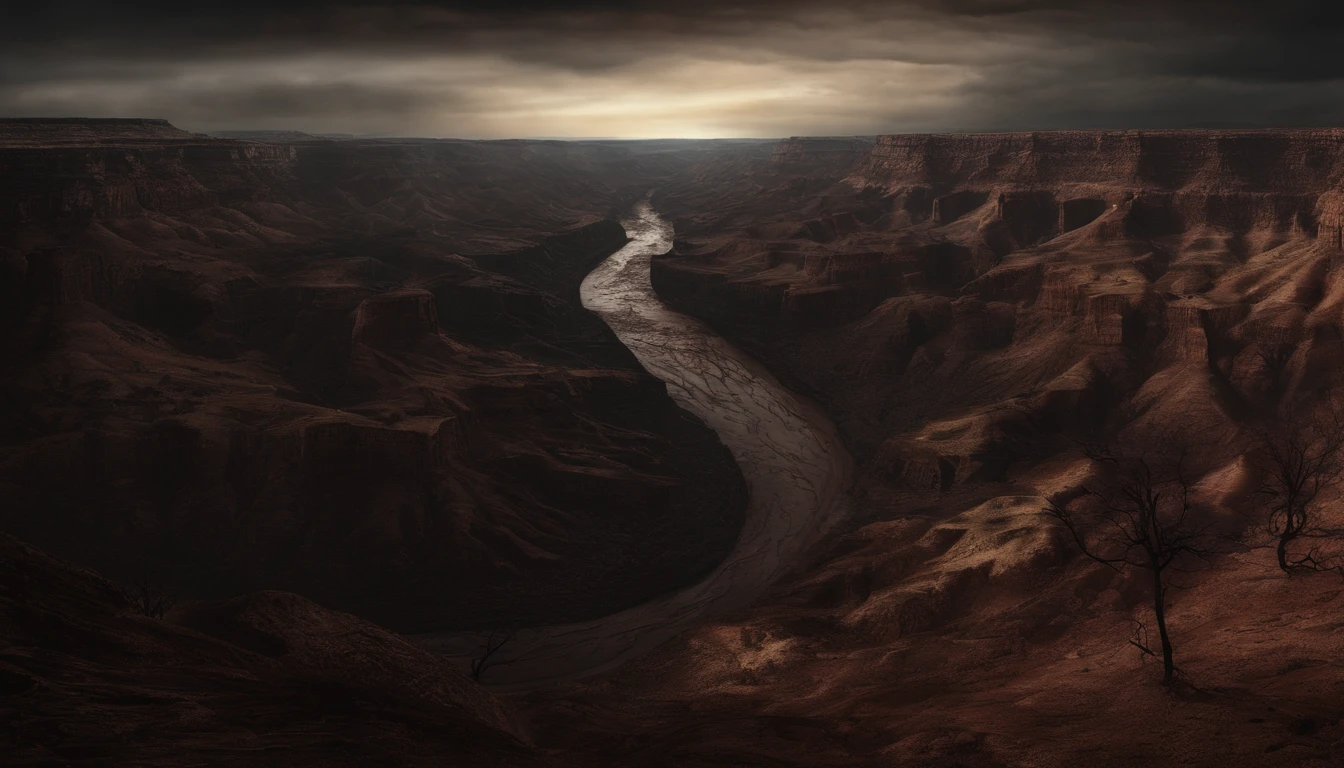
1163,181
76,130
932,263
820,149
67,186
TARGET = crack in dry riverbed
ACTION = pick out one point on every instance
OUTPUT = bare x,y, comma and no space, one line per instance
795,467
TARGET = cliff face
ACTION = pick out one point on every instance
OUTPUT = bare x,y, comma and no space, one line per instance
1180,248
820,150
57,189
1165,181
49,131
1258,161
560,260
67,187
239,366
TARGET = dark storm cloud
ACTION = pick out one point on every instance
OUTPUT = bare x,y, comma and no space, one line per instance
247,24
695,67
307,101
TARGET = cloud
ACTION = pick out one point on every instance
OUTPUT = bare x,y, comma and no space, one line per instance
690,68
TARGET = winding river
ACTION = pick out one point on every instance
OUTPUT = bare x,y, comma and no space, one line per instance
795,467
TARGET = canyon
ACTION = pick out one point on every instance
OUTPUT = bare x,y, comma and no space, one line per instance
795,467
326,369
361,371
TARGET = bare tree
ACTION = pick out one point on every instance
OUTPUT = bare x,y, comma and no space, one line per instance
1299,458
486,655
1138,513
1274,359
149,600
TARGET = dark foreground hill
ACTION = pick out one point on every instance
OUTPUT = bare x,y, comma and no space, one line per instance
264,679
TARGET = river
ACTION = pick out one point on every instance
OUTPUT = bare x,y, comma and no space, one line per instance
795,467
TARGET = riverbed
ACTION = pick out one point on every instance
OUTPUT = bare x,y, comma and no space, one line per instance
795,467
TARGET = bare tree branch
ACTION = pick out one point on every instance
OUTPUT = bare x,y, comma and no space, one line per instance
1139,513
485,657
1274,359
1300,457
149,600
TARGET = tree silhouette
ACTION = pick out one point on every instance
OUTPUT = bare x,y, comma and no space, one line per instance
149,600
486,655
1138,513
1300,457
1274,358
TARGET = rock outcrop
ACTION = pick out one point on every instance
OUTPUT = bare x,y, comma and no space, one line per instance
398,317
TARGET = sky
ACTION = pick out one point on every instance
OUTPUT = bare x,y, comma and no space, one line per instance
692,68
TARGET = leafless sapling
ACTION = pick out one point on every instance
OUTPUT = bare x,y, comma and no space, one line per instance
149,600
1274,360
486,655
1138,513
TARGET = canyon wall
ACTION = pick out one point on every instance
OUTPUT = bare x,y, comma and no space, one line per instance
354,370
66,187
1181,247
827,150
